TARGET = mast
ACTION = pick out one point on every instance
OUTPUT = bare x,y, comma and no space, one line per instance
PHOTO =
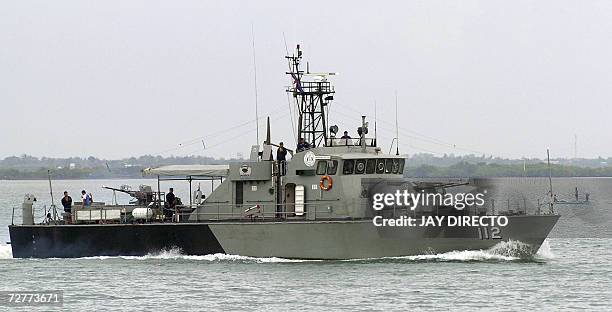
312,98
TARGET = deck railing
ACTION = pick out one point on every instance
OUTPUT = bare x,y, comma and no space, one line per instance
256,212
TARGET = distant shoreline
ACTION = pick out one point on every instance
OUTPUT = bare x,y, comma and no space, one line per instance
415,168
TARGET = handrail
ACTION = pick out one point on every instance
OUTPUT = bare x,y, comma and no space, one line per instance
217,211
256,212
253,211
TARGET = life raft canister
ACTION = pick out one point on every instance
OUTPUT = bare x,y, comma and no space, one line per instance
326,183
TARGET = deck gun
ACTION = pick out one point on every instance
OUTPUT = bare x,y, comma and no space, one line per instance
142,197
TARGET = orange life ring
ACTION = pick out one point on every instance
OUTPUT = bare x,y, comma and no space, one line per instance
329,181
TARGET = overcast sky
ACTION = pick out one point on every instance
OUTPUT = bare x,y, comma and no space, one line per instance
126,78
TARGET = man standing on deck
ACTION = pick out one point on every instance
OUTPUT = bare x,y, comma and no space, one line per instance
86,198
171,202
170,199
67,202
281,157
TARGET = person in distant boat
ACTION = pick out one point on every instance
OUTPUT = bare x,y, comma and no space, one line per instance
302,145
281,157
67,202
170,199
86,198
586,196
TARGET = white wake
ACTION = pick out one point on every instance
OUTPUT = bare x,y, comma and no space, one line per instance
545,252
6,252
176,254
503,251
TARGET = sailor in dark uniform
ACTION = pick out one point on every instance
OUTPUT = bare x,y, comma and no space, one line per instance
302,145
281,157
170,199
67,202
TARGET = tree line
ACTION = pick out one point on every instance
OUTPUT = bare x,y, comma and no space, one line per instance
418,165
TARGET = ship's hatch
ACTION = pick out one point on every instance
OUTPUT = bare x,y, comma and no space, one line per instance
290,198
239,194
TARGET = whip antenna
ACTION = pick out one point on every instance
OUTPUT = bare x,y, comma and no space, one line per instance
396,128
375,119
255,79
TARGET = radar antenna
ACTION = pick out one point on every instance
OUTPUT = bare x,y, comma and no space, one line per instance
312,99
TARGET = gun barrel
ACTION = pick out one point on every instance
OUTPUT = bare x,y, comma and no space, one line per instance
117,189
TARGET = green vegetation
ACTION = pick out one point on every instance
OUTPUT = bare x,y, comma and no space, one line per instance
419,165
27,167
466,169
65,173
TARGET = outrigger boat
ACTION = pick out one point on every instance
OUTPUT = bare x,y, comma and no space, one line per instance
314,206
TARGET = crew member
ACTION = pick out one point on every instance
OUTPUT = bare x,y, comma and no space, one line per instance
346,135
281,157
170,199
86,198
67,202
302,145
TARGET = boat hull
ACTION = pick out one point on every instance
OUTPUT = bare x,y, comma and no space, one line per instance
299,239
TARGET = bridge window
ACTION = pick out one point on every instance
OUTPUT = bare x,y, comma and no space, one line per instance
371,166
365,166
388,165
347,167
380,166
401,166
332,167
360,166
321,167
395,165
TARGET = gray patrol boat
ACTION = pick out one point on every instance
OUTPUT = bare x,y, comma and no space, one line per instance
317,205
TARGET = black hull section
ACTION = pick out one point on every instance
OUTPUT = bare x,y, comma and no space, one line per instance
71,241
